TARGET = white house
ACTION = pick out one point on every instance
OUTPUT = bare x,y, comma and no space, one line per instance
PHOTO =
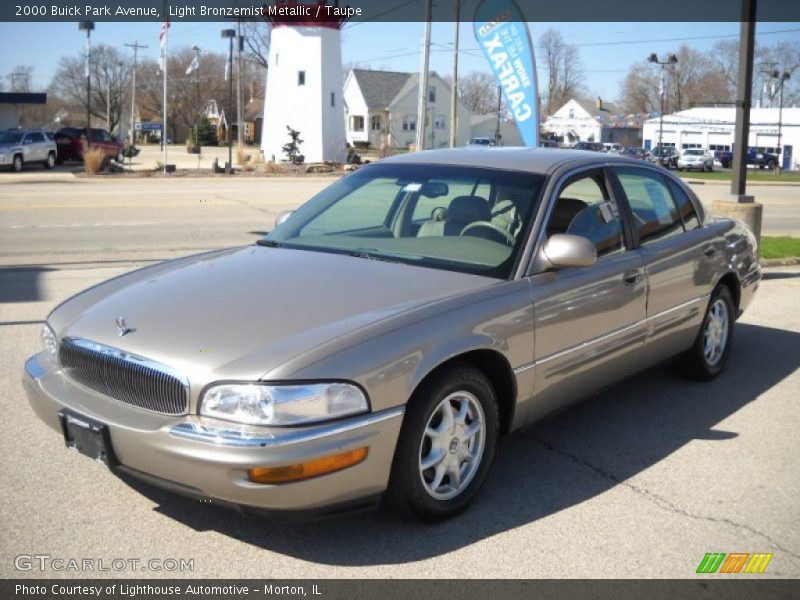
595,121
382,106
712,128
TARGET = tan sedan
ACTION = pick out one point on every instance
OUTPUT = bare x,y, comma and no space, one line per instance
380,340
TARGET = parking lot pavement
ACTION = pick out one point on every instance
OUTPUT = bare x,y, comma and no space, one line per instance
639,481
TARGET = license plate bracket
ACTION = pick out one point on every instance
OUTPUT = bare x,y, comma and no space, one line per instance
88,436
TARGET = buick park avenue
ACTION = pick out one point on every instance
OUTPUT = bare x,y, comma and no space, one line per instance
377,343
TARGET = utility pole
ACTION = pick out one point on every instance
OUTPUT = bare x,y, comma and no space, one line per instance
88,26
136,47
422,106
239,111
229,34
454,90
499,108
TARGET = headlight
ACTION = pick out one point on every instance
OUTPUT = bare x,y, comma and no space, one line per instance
49,341
260,404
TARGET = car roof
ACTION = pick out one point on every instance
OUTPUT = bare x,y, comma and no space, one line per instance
533,160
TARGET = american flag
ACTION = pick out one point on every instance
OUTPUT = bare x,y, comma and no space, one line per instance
162,37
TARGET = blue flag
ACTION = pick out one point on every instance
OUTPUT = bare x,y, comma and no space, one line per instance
502,33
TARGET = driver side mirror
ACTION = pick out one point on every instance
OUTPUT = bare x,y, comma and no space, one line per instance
565,250
282,217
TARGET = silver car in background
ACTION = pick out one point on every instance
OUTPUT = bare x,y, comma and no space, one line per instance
380,340
695,158
20,147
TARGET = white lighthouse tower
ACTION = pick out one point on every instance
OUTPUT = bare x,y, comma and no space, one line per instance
304,84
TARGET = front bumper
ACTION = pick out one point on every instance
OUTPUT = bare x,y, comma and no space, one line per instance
209,459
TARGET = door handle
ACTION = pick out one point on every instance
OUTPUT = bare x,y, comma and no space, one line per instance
709,251
631,278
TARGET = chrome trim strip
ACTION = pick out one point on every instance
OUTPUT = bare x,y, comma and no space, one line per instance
607,336
128,357
233,437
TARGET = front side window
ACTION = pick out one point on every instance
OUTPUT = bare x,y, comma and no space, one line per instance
356,123
655,214
432,216
584,207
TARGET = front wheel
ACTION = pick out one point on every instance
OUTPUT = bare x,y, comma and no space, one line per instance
121,157
446,446
707,357
16,165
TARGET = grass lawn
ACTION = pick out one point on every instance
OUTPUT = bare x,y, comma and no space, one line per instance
779,247
752,175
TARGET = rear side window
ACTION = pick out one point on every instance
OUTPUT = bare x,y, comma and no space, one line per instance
655,214
685,206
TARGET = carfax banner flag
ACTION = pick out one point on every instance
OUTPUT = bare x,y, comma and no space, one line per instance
502,33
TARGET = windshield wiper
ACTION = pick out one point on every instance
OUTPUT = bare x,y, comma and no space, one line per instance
268,243
363,253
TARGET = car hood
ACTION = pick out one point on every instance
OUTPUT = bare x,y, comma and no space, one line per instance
241,313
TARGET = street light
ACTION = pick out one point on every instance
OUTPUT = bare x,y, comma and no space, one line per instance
88,26
230,34
671,60
197,94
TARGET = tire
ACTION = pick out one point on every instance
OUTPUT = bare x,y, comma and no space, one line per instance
50,163
413,488
17,163
120,157
706,358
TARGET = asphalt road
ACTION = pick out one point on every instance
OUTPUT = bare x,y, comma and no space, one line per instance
640,481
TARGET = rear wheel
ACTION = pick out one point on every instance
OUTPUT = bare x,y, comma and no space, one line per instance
707,357
50,163
446,445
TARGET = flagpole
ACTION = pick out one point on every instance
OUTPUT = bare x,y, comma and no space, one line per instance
164,124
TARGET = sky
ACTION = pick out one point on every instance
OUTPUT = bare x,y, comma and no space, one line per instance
607,50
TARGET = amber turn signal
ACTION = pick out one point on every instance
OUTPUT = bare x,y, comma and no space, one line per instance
312,468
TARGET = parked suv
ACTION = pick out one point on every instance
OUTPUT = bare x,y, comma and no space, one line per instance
19,147
665,156
71,141
762,160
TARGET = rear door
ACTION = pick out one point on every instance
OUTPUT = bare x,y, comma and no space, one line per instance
678,257
589,321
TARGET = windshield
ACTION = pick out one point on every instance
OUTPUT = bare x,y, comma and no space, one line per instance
10,137
449,217
694,153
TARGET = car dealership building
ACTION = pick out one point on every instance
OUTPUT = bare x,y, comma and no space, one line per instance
712,128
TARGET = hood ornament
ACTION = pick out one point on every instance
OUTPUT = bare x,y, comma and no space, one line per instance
123,328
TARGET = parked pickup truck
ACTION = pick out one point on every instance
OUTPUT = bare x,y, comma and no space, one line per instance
763,160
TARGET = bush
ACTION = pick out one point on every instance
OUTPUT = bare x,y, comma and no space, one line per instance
206,134
242,155
94,159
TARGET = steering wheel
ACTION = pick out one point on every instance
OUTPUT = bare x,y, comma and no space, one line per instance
487,225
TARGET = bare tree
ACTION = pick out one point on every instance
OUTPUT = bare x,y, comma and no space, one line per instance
21,78
256,41
478,90
696,79
564,70
110,75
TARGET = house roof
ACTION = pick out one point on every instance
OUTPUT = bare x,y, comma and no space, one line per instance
590,106
254,110
380,88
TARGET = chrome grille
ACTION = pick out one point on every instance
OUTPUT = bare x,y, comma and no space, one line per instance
125,377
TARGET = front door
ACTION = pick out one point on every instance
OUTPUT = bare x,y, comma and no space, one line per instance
589,321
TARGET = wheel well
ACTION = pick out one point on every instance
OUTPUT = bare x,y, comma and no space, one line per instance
730,280
499,373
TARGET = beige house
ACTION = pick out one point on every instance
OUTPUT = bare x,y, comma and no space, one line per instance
381,107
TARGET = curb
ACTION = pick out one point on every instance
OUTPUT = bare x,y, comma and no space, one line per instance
780,262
